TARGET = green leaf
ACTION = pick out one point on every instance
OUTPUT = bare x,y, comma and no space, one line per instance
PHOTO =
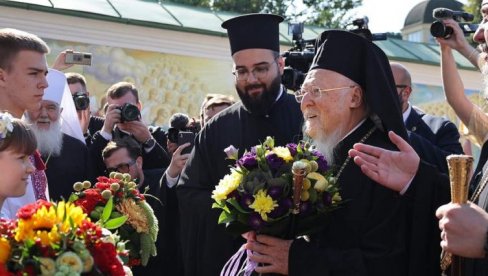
115,222
235,204
217,205
225,218
73,197
107,210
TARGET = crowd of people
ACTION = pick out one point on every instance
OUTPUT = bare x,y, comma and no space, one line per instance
388,156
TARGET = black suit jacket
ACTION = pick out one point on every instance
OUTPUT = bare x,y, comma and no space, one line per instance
433,138
95,124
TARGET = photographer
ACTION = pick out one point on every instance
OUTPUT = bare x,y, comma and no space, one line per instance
122,119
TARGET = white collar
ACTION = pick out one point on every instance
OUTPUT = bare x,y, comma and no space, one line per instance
407,113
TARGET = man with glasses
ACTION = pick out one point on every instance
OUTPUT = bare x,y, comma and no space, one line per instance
348,96
124,156
266,109
432,137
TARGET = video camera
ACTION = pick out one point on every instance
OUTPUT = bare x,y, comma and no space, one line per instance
438,29
299,58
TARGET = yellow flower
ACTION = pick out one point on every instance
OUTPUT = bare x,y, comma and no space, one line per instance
4,250
263,204
283,153
227,185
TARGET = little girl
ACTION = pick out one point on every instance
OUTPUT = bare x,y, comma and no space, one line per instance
17,142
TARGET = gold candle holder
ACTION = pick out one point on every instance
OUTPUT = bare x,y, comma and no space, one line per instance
459,172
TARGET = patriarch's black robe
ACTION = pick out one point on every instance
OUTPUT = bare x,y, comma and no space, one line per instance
206,246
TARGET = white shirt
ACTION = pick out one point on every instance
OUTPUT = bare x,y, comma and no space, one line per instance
12,204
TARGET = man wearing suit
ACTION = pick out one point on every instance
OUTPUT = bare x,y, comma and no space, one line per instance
151,139
432,137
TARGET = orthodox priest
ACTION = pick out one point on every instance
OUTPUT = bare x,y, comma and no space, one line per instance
265,109
348,96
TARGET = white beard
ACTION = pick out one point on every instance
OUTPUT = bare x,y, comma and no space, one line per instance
484,72
325,143
49,142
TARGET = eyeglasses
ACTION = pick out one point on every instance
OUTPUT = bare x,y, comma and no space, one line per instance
259,72
316,92
121,168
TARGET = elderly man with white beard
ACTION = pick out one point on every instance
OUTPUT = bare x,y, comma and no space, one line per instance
66,158
348,96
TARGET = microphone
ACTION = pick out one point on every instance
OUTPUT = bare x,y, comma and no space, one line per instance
441,13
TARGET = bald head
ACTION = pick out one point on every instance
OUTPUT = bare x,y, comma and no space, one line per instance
403,82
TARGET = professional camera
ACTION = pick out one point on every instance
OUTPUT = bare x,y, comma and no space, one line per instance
81,101
438,29
129,112
299,58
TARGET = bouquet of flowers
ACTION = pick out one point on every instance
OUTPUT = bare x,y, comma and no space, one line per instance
57,239
116,204
279,191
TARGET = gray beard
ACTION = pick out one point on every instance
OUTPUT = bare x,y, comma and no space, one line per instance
49,142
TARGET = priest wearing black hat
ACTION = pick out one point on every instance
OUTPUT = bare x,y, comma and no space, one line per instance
348,96
266,109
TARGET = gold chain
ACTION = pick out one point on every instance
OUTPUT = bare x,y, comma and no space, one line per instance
481,186
348,159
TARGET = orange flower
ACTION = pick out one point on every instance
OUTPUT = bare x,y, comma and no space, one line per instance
4,250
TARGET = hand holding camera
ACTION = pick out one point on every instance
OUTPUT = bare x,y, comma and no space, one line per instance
439,29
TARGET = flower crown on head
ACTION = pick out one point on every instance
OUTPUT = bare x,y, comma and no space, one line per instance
6,126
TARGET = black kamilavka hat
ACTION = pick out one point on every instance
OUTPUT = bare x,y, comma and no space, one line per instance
366,64
254,31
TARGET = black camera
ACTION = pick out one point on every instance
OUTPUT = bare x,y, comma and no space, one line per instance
299,58
438,29
129,112
81,101
173,133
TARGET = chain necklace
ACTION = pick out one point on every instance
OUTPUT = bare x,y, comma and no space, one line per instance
348,159
481,186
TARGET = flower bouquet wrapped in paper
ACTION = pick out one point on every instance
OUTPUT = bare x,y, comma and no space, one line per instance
58,239
116,204
279,191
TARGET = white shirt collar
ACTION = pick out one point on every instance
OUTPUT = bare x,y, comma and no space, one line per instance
407,113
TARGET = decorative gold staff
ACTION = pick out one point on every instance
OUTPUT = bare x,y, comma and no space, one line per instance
459,172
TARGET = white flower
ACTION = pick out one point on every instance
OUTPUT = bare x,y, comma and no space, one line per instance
5,124
232,152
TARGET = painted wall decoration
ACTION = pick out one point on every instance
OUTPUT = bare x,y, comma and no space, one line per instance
167,83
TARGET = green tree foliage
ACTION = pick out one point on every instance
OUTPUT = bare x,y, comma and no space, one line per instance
473,6
324,13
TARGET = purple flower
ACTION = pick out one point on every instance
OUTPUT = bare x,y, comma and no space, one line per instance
255,221
292,148
327,199
275,192
248,161
305,207
231,152
274,161
246,200
283,207
323,166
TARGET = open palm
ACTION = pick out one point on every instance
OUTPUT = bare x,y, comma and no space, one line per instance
392,169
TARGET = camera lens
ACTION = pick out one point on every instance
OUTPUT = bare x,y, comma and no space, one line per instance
438,29
81,101
129,112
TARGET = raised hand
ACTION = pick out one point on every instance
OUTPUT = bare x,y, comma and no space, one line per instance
392,169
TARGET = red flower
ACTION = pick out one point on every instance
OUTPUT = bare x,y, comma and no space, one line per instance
105,257
28,210
90,200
